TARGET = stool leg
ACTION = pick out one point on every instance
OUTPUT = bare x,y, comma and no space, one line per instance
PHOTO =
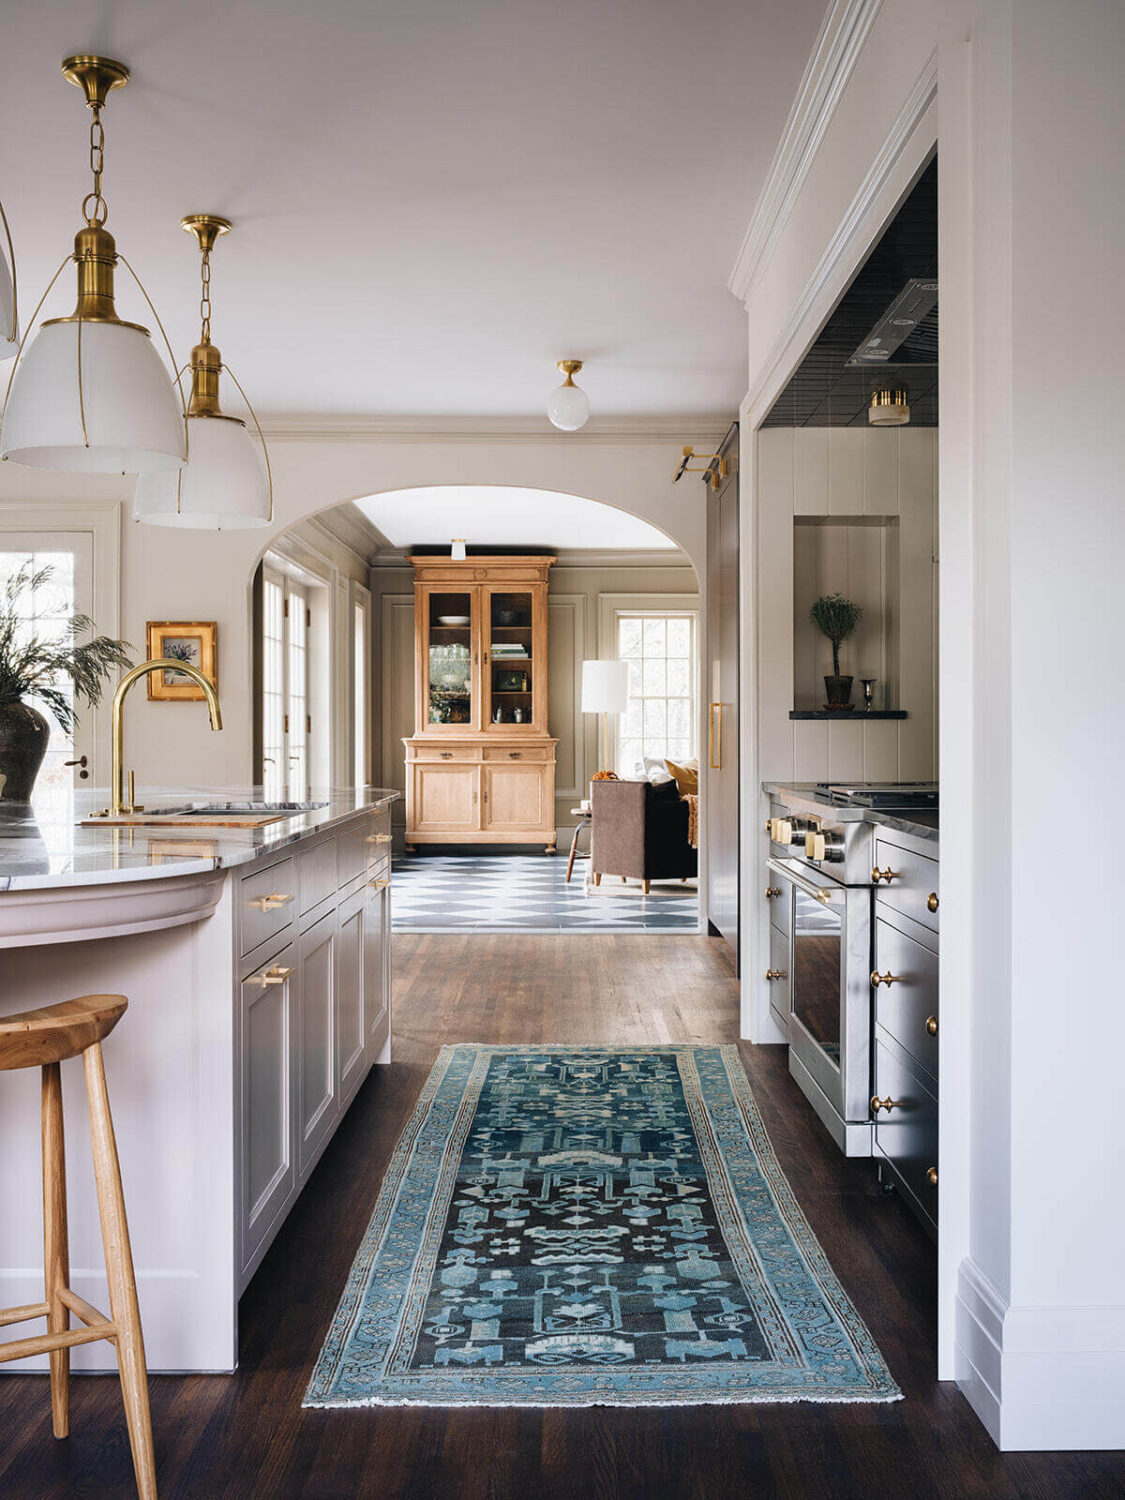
124,1309
56,1262
573,850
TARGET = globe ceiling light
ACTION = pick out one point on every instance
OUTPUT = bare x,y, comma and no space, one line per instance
9,310
225,484
569,406
91,395
888,408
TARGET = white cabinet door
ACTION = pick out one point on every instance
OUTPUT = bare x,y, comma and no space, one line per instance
351,989
377,970
318,1100
268,1174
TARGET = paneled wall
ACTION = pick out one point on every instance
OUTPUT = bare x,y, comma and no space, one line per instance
575,590
840,474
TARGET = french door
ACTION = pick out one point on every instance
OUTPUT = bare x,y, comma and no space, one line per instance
286,722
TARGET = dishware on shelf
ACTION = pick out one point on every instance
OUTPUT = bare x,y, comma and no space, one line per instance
453,619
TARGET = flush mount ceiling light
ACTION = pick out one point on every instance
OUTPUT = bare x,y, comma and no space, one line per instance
226,484
888,408
9,311
91,395
457,549
569,406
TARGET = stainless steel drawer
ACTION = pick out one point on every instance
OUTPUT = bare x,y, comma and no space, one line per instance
908,882
907,1007
906,1135
779,900
778,976
268,899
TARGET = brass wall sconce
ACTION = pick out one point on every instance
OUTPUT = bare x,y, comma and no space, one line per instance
715,466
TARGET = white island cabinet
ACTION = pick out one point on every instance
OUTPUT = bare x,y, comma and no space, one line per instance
257,966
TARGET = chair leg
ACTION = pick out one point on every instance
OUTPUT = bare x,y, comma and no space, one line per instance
597,880
573,850
645,884
56,1263
124,1308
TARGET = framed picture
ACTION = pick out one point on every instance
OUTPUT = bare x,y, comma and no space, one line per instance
192,641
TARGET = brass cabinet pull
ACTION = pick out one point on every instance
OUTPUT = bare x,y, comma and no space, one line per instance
514,754
931,1176
447,755
931,1025
772,891
888,1104
377,838
714,739
379,884
888,875
267,903
776,974
888,978
277,975
932,902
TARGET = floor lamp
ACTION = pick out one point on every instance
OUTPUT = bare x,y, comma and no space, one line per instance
605,691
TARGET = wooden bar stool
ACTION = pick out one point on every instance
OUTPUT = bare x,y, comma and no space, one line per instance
43,1039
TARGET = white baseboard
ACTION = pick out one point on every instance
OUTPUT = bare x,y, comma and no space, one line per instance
1040,1378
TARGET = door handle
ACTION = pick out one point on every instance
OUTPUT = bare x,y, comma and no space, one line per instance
714,740
81,761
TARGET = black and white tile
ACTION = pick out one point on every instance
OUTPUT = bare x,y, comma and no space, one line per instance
528,893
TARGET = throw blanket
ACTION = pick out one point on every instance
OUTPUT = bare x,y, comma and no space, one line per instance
692,800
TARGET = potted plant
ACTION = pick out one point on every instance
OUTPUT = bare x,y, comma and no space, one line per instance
837,618
36,666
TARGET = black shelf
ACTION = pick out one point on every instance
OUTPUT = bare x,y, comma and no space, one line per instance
851,714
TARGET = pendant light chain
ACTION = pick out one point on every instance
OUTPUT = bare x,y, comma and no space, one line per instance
205,299
94,207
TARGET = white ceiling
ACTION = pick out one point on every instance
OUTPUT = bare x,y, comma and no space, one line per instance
503,515
434,199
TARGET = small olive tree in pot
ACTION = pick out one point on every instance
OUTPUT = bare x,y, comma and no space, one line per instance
837,618
37,666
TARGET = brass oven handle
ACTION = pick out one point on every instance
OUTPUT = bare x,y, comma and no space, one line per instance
377,838
888,875
277,975
267,903
818,893
379,884
888,1104
931,1176
715,765
888,978
776,974
931,1025
772,891
932,902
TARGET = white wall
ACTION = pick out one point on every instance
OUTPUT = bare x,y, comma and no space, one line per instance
1032,224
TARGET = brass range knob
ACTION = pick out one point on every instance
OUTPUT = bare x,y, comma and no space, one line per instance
888,1104
888,875
931,1176
772,891
932,902
776,974
931,1025
888,978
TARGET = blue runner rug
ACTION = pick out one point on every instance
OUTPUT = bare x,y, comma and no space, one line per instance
582,1226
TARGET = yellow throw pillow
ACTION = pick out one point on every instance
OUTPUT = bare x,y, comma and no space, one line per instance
687,776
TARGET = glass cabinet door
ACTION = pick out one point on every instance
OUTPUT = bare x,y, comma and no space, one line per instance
509,646
448,661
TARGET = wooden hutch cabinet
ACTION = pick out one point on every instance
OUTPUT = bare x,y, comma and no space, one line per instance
480,766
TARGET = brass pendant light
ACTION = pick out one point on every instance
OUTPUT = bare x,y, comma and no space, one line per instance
225,484
91,394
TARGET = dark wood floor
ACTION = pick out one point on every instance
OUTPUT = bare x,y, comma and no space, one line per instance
247,1435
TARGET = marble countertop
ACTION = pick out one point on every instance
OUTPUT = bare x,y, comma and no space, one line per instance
42,846
923,823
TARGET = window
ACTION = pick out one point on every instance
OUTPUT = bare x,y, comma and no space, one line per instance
360,761
661,717
285,688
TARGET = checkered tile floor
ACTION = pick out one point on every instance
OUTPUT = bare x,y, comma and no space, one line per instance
528,893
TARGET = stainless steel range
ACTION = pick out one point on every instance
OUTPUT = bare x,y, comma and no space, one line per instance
823,872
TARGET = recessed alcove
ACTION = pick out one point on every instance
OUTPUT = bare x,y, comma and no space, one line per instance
857,556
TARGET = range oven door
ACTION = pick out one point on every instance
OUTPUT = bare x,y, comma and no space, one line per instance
830,987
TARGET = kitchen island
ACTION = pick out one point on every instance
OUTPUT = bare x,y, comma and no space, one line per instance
253,945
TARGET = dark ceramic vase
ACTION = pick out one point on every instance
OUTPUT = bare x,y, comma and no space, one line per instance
24,733
839,690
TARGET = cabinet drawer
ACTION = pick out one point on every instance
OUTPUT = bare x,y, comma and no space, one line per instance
365,843
780,905
268,899
914,881
779,988
907,1135
316,874
519,752
445,752
907,1006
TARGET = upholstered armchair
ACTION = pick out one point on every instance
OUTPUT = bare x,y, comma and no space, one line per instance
639,831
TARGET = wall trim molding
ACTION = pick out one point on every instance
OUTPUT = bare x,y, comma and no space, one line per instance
576,603
349,528
698,429
835,52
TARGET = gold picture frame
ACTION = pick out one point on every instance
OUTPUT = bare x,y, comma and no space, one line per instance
194,641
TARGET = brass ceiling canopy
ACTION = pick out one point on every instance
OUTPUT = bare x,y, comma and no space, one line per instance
206,228
570,368
95,76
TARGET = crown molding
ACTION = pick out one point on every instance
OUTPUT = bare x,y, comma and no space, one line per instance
575,557
834,56
347,525
697,429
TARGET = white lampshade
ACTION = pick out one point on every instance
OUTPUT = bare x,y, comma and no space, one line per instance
605,687
9,328
568,407
224,486
134,421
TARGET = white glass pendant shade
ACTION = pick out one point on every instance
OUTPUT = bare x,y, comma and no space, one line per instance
9,328
568,407
134,422
223,487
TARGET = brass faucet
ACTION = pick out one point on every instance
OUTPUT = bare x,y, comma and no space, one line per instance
118,803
